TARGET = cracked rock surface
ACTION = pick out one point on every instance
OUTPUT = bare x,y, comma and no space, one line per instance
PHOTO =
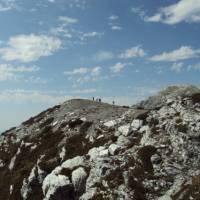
87,150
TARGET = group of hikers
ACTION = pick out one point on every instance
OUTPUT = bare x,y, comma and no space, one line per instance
99,100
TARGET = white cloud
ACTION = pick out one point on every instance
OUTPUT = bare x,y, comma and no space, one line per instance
194,67
133,52
67,20
182,11
183,53
73,34
86,78
6,5
71,3
177,67
103,55
77,3
96,71
5,74
35,80
27,48
84,74
64,29
154,18
139,11
77,71
116,28
113,17
85,91
118,67
113,23
91,35
61,31
31,96
10,72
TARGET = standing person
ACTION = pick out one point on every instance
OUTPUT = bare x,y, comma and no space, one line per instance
99,100
93,98
113,102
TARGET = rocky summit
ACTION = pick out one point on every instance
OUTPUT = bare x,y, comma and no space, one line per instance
89,150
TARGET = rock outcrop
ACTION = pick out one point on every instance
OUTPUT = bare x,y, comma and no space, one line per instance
87,150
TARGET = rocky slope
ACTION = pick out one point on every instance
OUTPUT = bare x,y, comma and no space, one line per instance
93,151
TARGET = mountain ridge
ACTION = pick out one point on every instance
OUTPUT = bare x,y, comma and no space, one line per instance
88,150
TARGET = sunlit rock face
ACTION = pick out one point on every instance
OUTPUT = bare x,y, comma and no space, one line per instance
88,150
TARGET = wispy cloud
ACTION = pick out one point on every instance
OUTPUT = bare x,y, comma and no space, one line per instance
84,74
67,20
10,72
92,34
96,71
103,56
82,4
118,67
77,3
85,91
183,53
116,28
27,48
113,23
113,17
139,11
6,5
64,29
35,80
133,52
194,67
31,96
177,67
182,11
61,31
77,71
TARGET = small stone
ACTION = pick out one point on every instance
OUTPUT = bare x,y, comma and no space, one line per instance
95,152
89,194
100,137
110,123
55,123
125,130
104,153
52,183
79,178
123,141
113,149
144,129
136,124
74,162
156,159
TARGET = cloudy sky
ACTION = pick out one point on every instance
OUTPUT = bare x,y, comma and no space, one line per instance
54,50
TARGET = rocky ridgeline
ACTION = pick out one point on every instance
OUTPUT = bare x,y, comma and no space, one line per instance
93,151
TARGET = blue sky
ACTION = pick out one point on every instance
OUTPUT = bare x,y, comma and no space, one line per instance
122,50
